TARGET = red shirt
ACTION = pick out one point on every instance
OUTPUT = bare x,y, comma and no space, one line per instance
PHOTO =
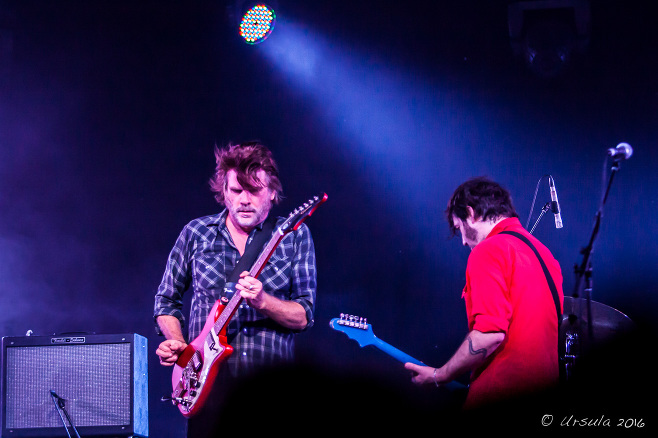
506,291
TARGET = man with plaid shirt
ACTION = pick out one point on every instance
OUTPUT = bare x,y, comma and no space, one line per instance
276,306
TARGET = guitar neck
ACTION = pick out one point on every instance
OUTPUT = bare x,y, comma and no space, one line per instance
358,329
394,352
266,253
255,270
404,358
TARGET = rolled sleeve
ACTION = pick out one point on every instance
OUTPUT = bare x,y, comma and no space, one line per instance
175,280
304,275
486,292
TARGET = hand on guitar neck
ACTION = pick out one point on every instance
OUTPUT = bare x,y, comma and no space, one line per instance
358,329
471,354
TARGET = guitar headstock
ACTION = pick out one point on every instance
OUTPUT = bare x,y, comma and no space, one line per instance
355,327
299,215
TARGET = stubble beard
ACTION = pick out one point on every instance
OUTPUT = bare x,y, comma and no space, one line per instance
249,223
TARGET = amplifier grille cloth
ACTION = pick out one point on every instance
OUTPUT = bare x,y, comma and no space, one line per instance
93,379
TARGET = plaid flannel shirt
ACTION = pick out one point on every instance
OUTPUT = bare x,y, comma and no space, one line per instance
204,256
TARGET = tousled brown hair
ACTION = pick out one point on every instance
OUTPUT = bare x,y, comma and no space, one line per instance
246,159
488,199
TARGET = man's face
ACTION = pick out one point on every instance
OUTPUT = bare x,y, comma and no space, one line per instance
247,209
469,230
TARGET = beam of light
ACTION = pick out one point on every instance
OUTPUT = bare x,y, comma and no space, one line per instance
401,131
414,140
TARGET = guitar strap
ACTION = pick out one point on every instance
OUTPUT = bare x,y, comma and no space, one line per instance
549,279
251,252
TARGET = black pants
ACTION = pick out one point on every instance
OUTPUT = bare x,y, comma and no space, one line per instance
210,420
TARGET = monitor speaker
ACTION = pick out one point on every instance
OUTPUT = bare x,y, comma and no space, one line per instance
95,383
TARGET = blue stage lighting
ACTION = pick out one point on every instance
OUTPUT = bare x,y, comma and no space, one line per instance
257,24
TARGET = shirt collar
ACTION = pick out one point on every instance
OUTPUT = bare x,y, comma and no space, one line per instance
219,219
506,224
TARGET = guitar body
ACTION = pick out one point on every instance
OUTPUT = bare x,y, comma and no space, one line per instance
197,367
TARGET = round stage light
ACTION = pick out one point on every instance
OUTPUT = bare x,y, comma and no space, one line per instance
257,24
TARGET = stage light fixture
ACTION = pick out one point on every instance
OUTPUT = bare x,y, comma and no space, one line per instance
547,34
257,24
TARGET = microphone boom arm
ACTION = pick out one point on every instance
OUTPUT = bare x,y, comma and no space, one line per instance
60,405
543,212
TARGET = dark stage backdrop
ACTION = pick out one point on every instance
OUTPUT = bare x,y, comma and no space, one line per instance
109,112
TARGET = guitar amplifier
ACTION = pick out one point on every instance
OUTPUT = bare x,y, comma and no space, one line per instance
95,383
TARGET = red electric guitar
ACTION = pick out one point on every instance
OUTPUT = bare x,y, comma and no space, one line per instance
197,367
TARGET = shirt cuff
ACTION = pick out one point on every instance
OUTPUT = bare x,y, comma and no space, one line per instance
490,324
309,313
171,312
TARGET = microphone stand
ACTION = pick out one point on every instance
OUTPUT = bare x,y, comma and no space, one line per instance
60,406
583,286
543,212
549,206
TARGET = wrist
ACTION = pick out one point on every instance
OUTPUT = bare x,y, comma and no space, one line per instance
438,376
261,303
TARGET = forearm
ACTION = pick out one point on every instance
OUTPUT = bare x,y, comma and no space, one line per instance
289,314
471,354
170,327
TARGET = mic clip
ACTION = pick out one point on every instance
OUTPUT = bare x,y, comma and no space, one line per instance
553,206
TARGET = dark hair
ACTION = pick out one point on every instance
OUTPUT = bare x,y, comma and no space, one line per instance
246,159
488,199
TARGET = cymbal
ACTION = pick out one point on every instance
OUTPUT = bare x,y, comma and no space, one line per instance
607,323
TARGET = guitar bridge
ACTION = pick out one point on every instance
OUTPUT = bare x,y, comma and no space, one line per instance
185,392
176,400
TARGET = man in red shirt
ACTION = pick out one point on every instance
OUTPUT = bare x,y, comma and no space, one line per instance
511,349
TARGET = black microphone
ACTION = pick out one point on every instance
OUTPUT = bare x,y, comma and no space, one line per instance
623,151
55,395
555,205
59,401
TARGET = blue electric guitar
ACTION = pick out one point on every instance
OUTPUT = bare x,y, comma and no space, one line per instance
358,329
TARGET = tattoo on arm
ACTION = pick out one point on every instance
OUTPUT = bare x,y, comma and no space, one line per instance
474,352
